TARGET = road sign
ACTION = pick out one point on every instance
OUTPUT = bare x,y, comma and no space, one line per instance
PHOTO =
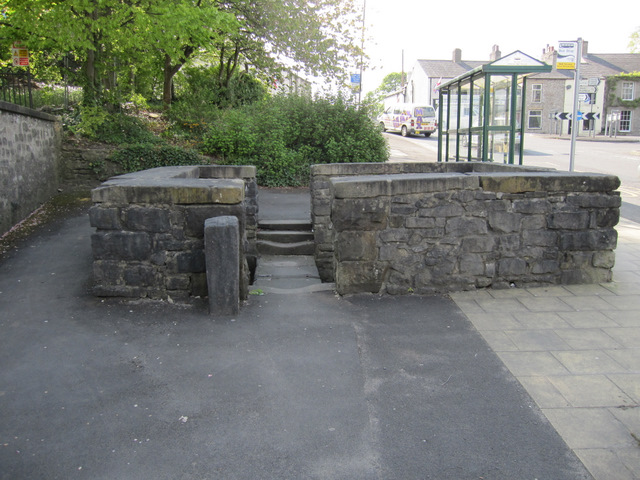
587,89
592,116
563,116
584,98
594,81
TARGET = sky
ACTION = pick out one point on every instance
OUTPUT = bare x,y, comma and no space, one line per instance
426,29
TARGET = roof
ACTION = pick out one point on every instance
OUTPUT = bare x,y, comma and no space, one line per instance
607,64
448,68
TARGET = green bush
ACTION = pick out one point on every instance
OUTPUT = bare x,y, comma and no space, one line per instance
98,124
143,156
285,135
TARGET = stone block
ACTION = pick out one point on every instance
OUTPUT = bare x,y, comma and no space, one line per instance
606,259
105,218
578,220
148,219
360,214
472,264
504,222
543,238
189,262
464,226
606,218
356,246
139,275
196,215
531,206
509,267
359,277
117,245
479,244
177,282
589,240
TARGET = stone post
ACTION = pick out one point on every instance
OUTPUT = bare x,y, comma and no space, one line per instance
222,254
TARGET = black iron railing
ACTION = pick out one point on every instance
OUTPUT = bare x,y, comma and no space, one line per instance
15,87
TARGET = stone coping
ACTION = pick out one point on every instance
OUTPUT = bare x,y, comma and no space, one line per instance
502,182
200,184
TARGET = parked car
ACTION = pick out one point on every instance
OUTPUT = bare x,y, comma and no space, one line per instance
409,119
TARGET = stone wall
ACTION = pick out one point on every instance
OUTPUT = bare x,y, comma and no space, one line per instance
29,161
471,226
149,239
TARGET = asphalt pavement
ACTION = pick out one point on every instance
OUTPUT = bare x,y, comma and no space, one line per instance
301,384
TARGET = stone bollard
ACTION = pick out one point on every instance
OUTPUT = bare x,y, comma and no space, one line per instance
222,254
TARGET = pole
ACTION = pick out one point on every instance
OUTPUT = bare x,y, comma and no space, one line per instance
574,115
364,12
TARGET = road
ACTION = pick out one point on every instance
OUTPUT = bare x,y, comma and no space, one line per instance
617,157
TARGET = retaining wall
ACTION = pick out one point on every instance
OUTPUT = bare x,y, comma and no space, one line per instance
29,161
149,239
432,228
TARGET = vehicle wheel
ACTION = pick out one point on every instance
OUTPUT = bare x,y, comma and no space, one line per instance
382,127
427,134
404,132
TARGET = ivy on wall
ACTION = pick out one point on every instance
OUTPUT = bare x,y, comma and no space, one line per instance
613,100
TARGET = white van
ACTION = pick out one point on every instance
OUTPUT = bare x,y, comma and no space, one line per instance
409,119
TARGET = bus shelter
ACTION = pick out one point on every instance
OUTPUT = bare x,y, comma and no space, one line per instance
481,113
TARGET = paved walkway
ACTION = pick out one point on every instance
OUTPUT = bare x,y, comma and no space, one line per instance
576,350
304,384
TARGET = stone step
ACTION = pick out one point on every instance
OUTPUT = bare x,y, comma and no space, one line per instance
285,236
267,247
288,225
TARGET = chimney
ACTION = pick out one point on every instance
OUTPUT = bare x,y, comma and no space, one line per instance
585,49
496,54
457,55
550,56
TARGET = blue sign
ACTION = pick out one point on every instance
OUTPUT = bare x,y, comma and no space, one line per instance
355,78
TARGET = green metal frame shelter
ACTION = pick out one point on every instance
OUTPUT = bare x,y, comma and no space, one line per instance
481,113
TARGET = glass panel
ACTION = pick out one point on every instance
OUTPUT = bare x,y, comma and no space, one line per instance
499,147
478,102
500,101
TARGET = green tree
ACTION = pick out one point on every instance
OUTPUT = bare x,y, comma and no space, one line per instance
319,37
390,83
634,41
109,36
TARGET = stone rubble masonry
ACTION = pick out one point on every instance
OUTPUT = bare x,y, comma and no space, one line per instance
149,238
30,143
434,228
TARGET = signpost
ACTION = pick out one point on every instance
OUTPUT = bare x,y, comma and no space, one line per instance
569,56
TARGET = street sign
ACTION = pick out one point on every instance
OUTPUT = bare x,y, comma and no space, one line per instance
594,81
587,89
563,116
584,98
592,116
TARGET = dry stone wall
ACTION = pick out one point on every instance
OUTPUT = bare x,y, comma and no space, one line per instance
463,228
29,161
149,238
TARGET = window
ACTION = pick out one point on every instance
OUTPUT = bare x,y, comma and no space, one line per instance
536,93
627,90
625,121
535,119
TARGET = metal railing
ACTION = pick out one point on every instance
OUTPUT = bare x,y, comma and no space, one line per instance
15,87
